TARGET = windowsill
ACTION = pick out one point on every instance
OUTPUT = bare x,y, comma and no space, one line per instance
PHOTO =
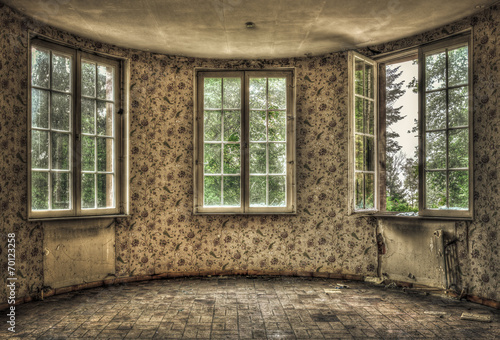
244,214
391,215
63,218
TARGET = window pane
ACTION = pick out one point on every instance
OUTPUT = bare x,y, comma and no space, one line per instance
257,126
88,79
60,151
39,149
39,190
459,148
60,111
359,115
212,158
60,190
359,154
40,67
105,194
232,191
104,124
459,189
212,125
435,71
105,82
213,93
277,158
435,197
257,158
40,108
88,191
212,191
435,110
277,93
61,73
458,63
232,93
231,158
88,153
232,126
435,150
258,190
88,115
459,106
369,117
277,126
369,81
277,191
369,191
258,98
359,183
369,153
105,154
359,76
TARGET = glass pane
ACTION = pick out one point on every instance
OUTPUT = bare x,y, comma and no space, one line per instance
231,158
257,158
88,79
60,151
61,73
105,196
40,67
435,71
104,118
212,159
359,152
369,81
459,148
232,126
369,154
257,126
369,191
277,191
60,190
232,93
277,93
232,191
359,75
277,158
277,126
88,153
39,149
212,191
212,125
39,190
459,190
359,191
40,108
257,191
435,197
458,64
105,82
435,150
258,98
435,110
60,111
369,117
88,115
213,93
88,191
359,117
105,154
459,107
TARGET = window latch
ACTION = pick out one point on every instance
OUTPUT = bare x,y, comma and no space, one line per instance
77,136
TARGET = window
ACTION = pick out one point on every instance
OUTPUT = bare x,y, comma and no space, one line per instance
245,142
74,133
420,162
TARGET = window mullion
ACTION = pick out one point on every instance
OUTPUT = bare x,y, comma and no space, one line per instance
447,134
49,138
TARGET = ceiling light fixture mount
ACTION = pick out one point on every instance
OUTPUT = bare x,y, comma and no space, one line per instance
249,24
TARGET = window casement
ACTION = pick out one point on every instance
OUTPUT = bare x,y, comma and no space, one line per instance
443,124
75,135
244,142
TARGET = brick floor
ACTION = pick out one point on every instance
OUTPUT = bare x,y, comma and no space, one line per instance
249,308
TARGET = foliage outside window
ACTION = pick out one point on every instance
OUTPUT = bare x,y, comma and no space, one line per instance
74,134
245,142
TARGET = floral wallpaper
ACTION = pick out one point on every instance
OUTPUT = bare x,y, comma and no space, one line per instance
162,234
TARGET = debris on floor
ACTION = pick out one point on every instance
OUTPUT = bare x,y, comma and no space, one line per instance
391,285
374,279
341,286
332,291
475,317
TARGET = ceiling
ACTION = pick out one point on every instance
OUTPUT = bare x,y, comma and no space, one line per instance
216,28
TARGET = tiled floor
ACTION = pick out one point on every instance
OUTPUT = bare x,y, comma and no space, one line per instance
250,308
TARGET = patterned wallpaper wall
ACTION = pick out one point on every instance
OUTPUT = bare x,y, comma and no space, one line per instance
162,234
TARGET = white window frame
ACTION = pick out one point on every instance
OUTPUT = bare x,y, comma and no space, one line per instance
120,127
198,178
